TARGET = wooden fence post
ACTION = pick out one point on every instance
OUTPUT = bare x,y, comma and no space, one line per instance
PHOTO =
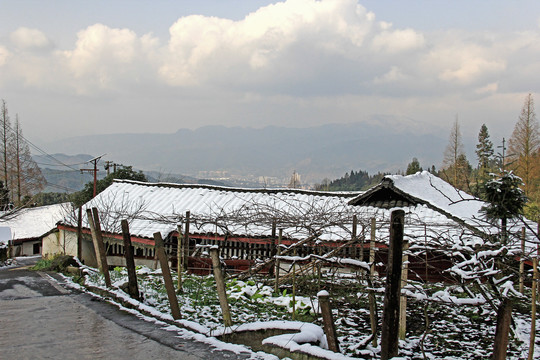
522,262
186,241
372,301
133,288
179,256
277,262
354,236
504,318
79,235
403,297
328,321
533,309
97,237
390,323
220,284
169,286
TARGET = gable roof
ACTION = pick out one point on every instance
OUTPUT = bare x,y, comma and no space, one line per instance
426,189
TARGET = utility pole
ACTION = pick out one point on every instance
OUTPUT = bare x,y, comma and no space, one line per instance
503,155
95,170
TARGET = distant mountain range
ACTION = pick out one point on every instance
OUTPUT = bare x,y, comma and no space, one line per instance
315,153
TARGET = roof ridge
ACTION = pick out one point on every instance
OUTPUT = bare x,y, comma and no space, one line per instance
343,194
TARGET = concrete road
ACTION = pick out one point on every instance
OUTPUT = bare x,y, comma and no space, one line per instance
39,319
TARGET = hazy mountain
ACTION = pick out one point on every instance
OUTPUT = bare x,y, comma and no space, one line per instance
315,152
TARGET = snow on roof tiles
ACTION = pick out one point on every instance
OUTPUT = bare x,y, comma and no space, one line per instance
34,222
437,192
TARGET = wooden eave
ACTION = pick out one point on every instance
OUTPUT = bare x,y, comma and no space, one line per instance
387,185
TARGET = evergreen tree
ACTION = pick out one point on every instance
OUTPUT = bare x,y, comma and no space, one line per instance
506,199
484,149
484,154
413,167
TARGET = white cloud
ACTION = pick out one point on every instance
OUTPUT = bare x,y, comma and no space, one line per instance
4,54
397,41
30,39
488,89
393,75
329,59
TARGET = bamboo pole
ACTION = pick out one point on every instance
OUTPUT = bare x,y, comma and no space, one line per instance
372,301
186,241
522,262
220,284
167,279
79,234
532,337
277,262
179,256
403,297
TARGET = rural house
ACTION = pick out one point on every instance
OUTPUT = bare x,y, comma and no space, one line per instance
28,227
439,222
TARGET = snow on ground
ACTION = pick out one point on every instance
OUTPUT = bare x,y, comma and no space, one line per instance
458,326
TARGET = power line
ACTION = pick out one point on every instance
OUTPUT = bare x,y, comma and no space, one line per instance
39,149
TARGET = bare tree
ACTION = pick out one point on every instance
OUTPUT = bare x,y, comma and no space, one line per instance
524,144
456,167
26,173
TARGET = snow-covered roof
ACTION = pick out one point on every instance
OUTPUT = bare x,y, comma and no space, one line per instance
425,188
434,210
30,223
159,207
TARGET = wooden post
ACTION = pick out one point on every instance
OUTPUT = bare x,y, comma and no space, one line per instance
372,301
186,241
522,262
533,309
504,318
354,235
390,323
169,286
179,256
403,298
328,321
97,237
133,288
220,284
79,235
277,263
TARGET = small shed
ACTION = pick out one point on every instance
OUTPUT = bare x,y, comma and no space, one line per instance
28,226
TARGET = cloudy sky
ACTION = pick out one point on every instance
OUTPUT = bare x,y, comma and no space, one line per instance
71,67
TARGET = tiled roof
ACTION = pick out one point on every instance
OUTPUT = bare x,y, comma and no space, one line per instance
34,222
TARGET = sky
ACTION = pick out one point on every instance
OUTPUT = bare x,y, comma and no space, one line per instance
73,67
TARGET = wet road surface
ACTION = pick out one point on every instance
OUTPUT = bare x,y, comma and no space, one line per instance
39,319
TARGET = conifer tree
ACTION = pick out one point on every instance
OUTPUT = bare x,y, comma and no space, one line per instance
524,144
506,199
484,154
413,167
